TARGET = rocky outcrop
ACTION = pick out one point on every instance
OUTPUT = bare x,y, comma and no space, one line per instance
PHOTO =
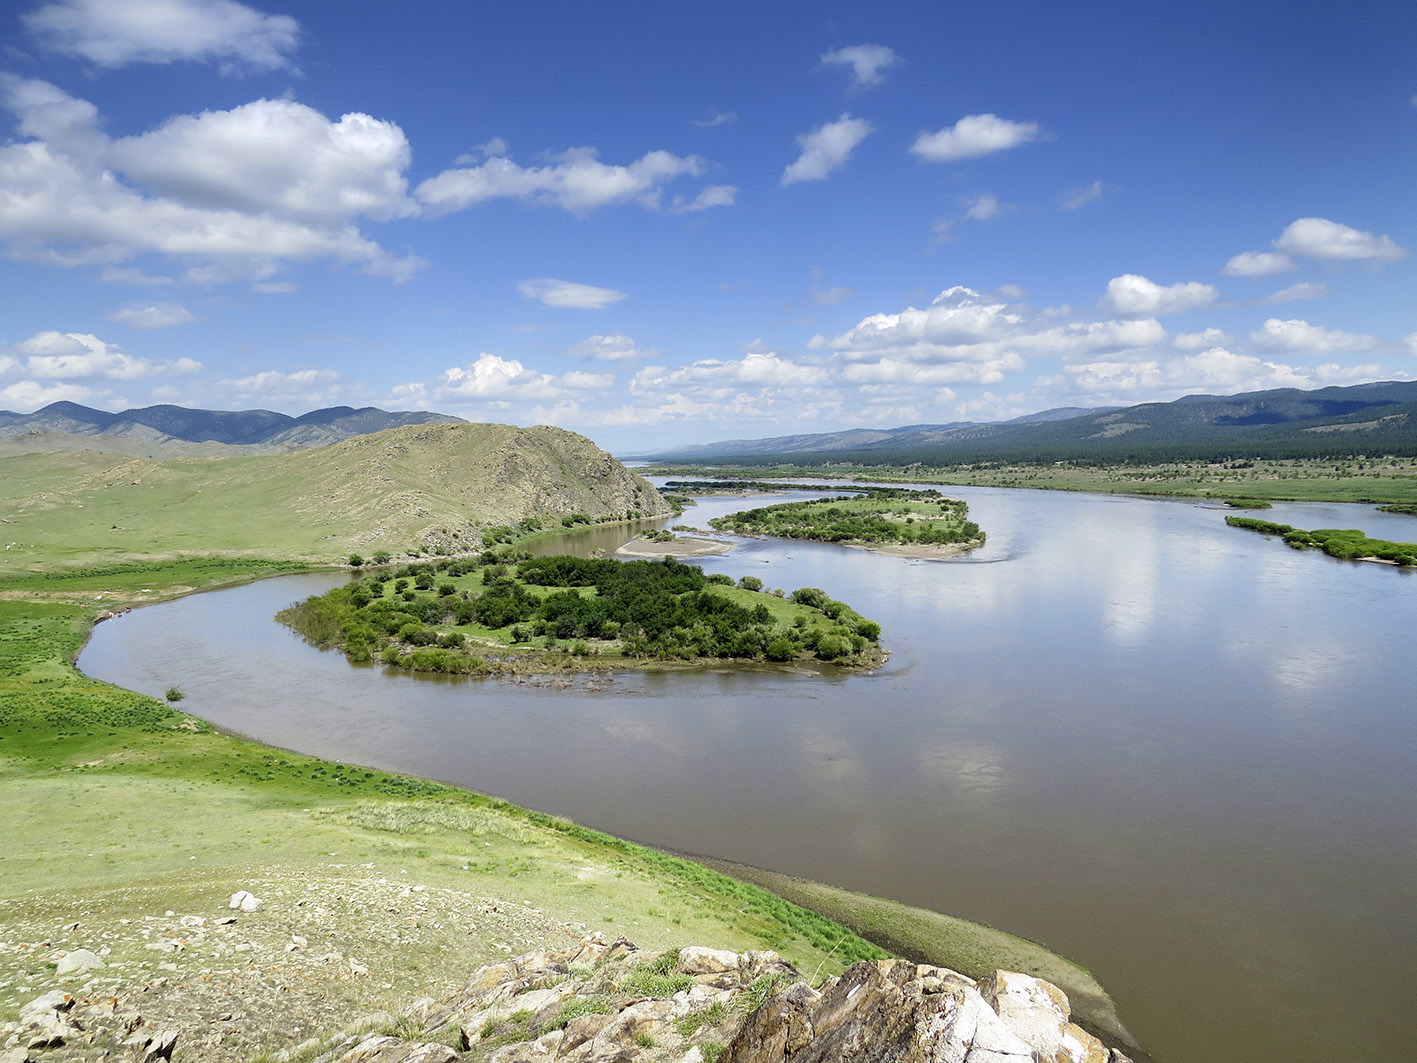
608,1002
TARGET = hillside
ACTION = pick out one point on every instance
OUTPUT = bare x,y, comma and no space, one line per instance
175,431
1376,418
422,486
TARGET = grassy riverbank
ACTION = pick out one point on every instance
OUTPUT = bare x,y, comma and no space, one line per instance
1372,479
130,823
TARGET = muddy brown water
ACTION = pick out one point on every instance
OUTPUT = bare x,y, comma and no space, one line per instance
1181,754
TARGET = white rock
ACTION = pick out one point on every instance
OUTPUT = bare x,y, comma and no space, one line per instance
245,901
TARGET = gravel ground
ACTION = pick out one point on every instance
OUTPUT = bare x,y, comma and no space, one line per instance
342,942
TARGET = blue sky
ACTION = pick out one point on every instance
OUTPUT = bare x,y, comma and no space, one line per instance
658,222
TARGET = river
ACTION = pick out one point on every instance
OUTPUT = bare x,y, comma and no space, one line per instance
1178,753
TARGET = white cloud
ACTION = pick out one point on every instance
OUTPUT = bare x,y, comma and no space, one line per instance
712,196
1297,292
965,337
277,156
81,355
972,136
1216,371
614,347
1195,341
1257,264
959,321
984,207
67,203
1133,295
153,316
867,63
501,382
568,294
913,374
826,148
1321,238
1300,337
576,181
764,369
309,388
1078,198
29,395
110,33
1411,340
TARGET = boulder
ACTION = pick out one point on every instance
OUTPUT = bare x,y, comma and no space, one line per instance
244,900
888,1011
1038,1011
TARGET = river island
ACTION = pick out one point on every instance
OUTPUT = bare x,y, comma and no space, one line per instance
488,616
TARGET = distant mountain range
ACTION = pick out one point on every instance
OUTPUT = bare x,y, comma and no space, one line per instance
1287,422
178,431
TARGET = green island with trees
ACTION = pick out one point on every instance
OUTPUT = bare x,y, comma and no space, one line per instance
879,516
1346,544
491,615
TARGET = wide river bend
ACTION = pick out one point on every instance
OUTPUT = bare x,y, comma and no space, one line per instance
1178,753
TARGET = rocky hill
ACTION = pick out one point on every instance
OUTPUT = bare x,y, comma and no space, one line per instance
176,431
423,487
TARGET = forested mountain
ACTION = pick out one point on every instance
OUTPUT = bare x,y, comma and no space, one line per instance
169,427
1364,418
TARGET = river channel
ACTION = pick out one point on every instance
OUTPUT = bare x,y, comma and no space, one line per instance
1180,754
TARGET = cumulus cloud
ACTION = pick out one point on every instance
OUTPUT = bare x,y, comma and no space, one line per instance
760,368
1195,341
867,63
1133,295
568,294
614,347
30,395
69,200
501,382
1300,337
277,383
153,316
576,181
826,149
111,34
966,337
278,156
1321,238
972,136
1215,371
1258,264
1296,292
53,355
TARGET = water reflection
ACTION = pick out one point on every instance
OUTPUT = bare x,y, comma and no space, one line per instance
1178,752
